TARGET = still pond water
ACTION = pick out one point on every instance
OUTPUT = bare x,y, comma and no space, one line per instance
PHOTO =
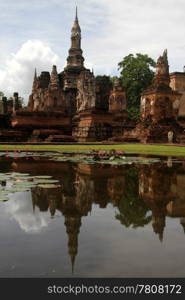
64,219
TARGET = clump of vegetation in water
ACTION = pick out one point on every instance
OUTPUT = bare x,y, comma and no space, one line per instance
107,155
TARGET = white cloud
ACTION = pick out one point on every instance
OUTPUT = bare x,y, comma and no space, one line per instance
139,26
20,209
19,67
111,29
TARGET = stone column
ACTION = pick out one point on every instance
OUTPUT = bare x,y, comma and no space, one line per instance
15,102
5,105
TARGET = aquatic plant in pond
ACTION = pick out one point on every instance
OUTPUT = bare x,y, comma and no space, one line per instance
22,182
105,155
112,157
20,154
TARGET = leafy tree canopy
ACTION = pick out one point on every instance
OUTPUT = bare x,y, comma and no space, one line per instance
136,75
1,94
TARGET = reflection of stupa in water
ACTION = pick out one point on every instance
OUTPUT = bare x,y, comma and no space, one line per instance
155,190
74,200
158,224
162,189
72,206
73,224
133,191
73,209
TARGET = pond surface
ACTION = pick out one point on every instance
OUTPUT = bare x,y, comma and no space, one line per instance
78,219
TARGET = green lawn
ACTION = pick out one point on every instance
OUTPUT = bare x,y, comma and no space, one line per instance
127,148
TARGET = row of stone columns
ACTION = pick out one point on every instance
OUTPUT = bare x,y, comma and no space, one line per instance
10,106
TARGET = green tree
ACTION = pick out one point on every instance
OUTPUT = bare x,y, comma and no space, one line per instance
103,79
132,211
136,75
21,101
1,95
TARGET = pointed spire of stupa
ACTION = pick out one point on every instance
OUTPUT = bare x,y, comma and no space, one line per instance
72,223
75,58
76,27
73,256
54,80
35,74
76,16
34,86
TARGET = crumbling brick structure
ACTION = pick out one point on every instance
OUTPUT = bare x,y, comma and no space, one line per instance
159,107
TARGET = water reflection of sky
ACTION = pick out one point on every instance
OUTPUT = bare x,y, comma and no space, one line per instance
35,245
20,209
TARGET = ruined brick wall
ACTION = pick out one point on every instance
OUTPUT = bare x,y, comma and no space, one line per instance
93,126
47,93
177,83
86,91
47,100
156,107
159,101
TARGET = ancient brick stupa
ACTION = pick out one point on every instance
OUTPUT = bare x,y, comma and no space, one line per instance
159,107
62,91
68,106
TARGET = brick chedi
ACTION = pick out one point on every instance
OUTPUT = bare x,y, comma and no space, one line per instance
47,94
157,101
57,92
104,115
89,105
71,90
57,97
159,106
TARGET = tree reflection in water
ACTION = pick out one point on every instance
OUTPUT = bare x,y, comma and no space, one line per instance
132,210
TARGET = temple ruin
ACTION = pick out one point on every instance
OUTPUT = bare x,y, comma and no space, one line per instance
159,107
75,106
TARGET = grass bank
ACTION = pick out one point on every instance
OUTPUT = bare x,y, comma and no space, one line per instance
162,150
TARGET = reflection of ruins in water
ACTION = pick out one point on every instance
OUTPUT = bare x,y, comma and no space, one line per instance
140,194
162,189
81,186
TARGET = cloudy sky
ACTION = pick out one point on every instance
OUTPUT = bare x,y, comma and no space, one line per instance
36,33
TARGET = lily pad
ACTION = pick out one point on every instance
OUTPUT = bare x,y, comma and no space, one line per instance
25,184
20,189
3,199
49,186
4,192
41,177
4,178
15,174
37,181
